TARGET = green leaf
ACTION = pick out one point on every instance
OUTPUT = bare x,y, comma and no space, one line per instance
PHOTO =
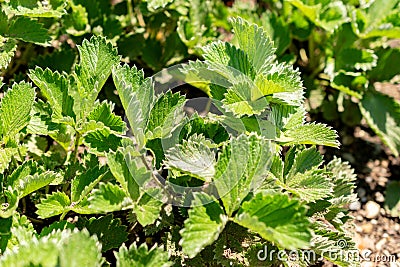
16,107
52,205
9,202
340,245
6,155
62,248
76,22
311,134
165,115
228,55
386,65
31,183
382,113
104,113
83,184
108,198
54,9
241,168
123,174
55,226
54,87
343,177
148,208
392,198
28,30
97,59
5,232
353,58
141,256
277,219
193,157
100,141
8,47
310,11
206,221
154,5
255,43
109,231
301,176
137,96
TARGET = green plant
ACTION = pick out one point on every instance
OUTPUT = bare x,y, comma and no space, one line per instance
214,189
343,48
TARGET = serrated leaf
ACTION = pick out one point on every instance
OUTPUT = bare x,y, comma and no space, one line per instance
241,167
341,247
82,184
28,30
104,113
56,226
31,183
148,207
137,96
255,43
16,107
123,174
52,205
277,219
54,87
352,58
62,248
343,177
385,68
9,202
165,115
108,230
8,47
54,9
311,134
193,157
228,55
97,59
76,22
101,140
382,113
141,256
6,155
206,221
108,198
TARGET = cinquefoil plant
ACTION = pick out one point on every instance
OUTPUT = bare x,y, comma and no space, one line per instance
259,180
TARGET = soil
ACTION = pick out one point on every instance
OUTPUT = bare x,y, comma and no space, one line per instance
376,230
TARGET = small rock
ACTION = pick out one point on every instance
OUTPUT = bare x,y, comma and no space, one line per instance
379,197
397,227
380,244
374,222
367,264
369,179
355,205
372,209
367,228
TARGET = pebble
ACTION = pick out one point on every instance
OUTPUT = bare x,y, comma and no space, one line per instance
372,209
379,197
355,205
373,221
369,179
380,244
367,228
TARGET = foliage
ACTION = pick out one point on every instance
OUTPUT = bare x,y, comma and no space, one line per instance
177,188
